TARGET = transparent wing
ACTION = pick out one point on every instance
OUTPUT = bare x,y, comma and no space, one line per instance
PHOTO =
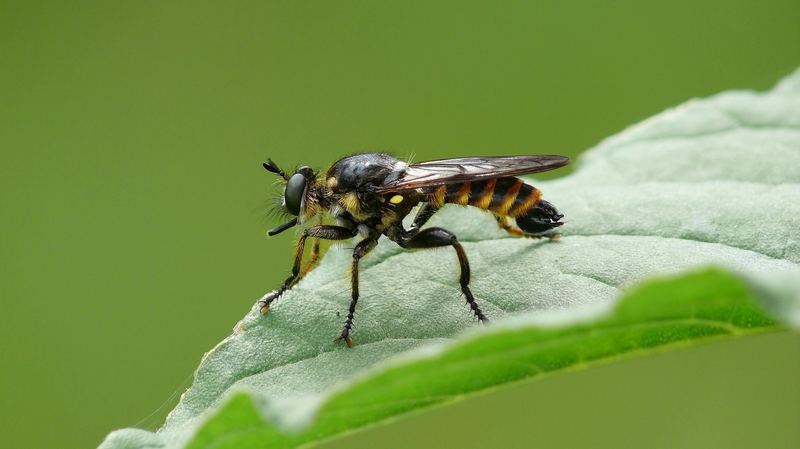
464,169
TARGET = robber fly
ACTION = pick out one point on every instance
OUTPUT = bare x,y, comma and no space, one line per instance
369,194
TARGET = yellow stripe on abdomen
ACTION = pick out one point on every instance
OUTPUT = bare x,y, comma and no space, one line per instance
509,197
484,199
505,193
526,199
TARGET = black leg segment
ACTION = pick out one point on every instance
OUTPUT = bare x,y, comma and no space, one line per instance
438,237
361,250
424,214
320,232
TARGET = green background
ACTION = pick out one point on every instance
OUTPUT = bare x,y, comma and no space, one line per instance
131,135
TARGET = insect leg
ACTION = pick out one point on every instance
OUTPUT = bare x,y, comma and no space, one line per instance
507,225
438,237
424,214
361,250
312,261
320,232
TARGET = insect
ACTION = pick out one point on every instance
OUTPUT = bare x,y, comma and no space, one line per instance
370,194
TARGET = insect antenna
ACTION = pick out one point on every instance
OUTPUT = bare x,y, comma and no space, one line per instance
272,167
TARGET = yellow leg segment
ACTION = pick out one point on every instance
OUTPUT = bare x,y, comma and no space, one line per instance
508,225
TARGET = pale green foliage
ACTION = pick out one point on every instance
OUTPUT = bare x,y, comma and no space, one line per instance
712,182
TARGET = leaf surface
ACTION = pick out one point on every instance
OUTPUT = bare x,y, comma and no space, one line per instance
711,182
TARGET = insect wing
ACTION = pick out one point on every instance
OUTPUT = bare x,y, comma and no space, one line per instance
451,171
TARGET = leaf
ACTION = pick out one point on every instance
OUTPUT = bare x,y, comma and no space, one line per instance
712,182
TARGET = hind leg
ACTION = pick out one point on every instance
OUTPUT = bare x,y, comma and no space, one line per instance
508,225
436,238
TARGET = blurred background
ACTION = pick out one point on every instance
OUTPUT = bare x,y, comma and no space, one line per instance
133,202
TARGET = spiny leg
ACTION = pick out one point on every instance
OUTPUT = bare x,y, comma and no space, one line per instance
320,232
361,250
312,260
397,233
424,214
509,226
506,224
438,237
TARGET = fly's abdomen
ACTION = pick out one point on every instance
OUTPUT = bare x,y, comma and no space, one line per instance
505,197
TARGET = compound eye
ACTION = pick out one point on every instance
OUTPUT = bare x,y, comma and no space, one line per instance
293,196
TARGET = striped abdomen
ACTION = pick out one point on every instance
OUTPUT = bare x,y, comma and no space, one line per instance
505,197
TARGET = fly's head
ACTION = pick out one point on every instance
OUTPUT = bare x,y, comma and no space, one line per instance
300,195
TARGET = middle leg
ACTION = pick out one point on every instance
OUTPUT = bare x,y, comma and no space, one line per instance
361,250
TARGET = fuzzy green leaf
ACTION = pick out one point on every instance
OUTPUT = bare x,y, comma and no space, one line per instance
712,182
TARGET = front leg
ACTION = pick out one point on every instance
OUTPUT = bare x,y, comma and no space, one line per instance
312,261
320,232
361,250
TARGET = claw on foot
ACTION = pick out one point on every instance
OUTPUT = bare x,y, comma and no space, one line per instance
347,340
264,307
266,300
